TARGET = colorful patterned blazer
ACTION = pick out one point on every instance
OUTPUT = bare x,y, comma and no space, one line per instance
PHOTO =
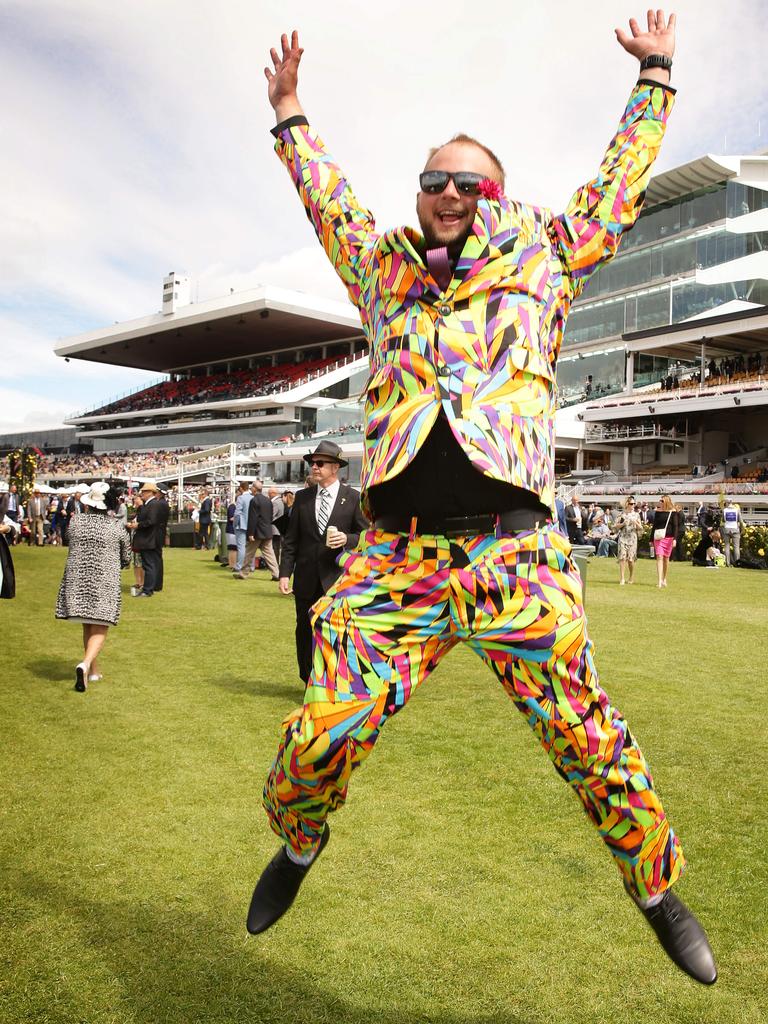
484,350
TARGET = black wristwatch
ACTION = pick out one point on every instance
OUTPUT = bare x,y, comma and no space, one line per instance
656,60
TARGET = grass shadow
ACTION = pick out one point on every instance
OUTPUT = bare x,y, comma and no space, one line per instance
204,966
52,670
291,693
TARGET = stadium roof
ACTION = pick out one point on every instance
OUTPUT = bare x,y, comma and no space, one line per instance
704,172
263,319
722,335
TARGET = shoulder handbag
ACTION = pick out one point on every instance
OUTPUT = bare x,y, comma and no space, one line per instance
661,534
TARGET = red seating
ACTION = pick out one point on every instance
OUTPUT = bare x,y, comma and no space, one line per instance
266,380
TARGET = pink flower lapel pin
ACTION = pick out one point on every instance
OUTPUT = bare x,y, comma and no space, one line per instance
490,189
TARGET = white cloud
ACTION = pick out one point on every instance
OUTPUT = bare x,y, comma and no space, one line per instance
137,139
37,389
305,270
24,410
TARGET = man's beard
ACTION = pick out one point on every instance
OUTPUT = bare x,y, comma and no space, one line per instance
454,246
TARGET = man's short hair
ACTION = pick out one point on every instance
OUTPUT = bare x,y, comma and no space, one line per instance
469,140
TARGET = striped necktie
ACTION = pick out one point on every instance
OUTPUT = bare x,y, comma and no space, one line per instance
324,510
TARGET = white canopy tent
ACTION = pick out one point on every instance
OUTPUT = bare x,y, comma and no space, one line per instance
228,452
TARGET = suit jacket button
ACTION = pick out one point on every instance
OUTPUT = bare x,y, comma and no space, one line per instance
443,371
444,309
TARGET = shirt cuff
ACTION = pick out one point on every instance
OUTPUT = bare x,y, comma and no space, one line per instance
289,122
642,81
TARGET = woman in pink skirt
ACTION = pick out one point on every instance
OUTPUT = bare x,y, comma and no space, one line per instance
663,534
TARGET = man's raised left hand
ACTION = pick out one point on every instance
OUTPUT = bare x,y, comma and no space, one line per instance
659,38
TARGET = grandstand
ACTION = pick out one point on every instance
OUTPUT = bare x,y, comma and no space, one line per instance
250,368
713,414
664,363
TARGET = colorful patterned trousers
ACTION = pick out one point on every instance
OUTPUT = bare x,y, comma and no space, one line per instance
404,602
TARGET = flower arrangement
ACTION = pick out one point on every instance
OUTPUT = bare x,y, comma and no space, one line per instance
754,541
22,469
490,189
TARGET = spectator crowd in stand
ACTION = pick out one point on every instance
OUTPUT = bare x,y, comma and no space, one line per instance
123,465
217,387
729,370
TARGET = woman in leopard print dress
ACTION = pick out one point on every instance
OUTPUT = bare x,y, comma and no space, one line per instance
630,526
99,547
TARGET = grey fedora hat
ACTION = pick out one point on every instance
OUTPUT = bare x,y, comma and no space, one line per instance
330,450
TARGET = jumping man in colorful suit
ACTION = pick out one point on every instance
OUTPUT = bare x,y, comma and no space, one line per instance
465,320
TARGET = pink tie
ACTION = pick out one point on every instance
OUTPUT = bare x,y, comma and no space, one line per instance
439,267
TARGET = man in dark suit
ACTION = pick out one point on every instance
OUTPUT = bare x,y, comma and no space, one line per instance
203,538
74,506
9,503
149,538
575,520
259,534
326,517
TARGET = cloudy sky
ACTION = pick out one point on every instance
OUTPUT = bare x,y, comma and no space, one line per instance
136,141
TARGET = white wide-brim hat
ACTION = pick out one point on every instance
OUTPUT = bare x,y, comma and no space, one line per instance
95,497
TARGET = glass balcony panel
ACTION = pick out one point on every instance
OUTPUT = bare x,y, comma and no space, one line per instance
652,310
743,199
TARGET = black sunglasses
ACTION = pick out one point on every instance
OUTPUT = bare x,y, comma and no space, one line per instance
435,182
322,462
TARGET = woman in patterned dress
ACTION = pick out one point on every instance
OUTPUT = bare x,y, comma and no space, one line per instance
99,547
630,526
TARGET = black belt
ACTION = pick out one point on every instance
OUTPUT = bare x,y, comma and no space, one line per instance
516,521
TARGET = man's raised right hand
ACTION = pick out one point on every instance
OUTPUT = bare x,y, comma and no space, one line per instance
282,82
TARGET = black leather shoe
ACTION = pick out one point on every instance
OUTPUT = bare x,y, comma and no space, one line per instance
684,940
277,888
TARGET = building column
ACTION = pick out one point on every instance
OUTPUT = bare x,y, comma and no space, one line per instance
626,460
703,376
579,459
629,380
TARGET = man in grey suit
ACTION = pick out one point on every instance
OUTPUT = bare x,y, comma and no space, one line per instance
258,534
242,503
325,518
278,514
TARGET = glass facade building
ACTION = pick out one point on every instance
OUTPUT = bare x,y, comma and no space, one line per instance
663,273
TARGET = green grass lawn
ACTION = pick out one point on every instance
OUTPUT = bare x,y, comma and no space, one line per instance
463,883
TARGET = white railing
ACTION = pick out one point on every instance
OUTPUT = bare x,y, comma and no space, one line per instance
757,383
117,398
158,471
594,433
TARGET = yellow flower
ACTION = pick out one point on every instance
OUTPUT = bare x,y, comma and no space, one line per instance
761,552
